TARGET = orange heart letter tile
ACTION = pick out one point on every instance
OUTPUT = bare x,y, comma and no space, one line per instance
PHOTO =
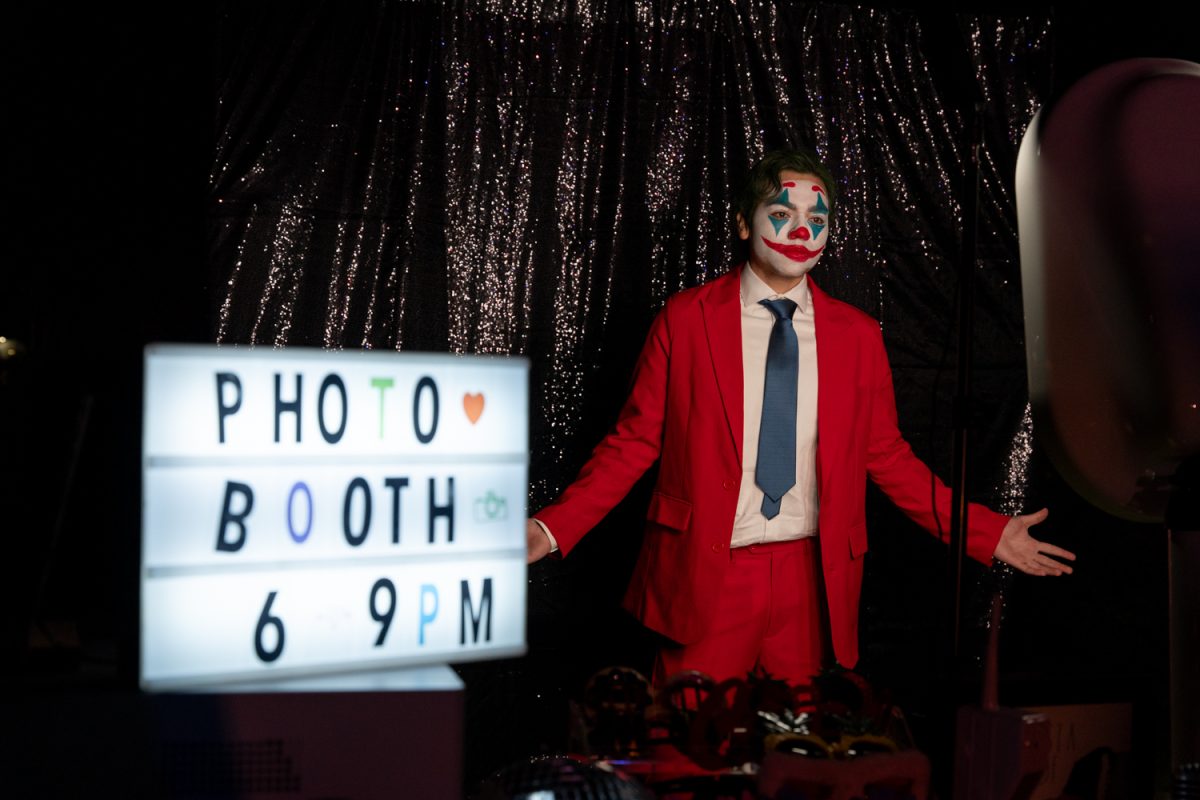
473,405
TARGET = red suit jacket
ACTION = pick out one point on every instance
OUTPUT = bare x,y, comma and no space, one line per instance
685,408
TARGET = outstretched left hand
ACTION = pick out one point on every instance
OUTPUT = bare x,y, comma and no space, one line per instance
1026,553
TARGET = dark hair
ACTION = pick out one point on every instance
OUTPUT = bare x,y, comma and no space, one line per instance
762,181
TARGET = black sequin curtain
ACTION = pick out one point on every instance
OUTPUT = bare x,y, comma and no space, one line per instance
537,177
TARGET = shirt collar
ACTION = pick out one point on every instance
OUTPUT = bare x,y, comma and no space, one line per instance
753,291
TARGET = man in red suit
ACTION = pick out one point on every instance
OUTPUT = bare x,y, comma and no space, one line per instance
769,404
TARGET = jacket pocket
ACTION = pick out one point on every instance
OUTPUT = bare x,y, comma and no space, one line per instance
670,512
858,540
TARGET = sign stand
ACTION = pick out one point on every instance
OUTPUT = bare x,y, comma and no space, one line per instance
372,735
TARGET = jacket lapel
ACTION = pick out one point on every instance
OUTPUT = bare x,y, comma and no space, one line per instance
836,368
723,327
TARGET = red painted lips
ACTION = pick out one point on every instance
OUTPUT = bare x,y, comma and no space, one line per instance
795,252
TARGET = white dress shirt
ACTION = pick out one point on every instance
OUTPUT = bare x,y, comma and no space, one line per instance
798,510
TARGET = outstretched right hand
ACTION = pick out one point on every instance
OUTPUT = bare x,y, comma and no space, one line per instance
537,543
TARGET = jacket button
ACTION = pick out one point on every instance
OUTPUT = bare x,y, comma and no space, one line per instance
717,547
727,484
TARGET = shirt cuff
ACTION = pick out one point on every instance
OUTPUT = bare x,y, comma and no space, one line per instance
549,535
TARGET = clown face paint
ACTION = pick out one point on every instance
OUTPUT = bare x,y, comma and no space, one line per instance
789,231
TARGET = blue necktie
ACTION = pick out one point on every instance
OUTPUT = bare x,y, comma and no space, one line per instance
775,472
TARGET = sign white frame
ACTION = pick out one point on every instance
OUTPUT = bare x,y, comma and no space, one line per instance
368,506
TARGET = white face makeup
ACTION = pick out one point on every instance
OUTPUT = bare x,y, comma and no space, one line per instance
789,231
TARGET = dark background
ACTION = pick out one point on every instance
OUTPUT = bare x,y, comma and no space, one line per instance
125,128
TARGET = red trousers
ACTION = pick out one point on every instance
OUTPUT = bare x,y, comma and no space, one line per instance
771,614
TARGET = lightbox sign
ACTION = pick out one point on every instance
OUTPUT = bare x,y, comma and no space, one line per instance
309,511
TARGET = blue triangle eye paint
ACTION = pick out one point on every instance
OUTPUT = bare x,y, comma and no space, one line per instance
820,208
781,200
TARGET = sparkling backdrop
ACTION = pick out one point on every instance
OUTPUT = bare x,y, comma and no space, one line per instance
537,177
